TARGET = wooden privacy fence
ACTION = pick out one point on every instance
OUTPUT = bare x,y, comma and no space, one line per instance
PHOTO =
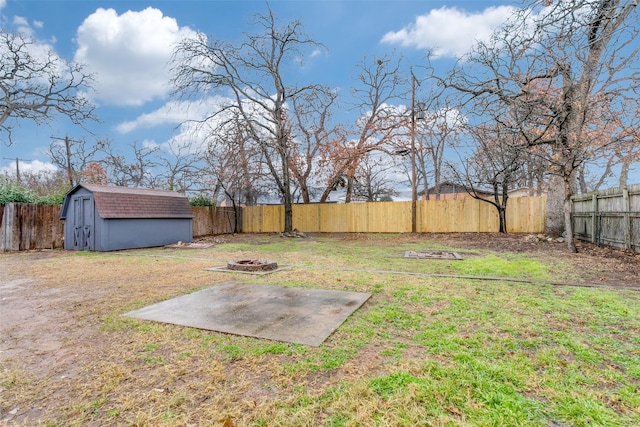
524,215
610,217
26,226
214,220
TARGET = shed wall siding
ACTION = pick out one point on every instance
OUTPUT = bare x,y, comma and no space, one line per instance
116,234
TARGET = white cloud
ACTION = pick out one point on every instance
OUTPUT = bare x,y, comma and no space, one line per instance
3,3
173,112
129,53
449,31
35,167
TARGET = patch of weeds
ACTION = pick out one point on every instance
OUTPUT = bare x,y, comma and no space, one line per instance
169,415
390,384
192,333
337,420
584,411
149,327
324,359
396,351
184,355
377,288
505,266
236,349
395,315
154,360
93,407
119,323
280,348
10,378
113,412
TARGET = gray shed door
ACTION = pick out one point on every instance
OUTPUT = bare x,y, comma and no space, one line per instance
83,222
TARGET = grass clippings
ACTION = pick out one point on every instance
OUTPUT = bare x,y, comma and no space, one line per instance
422,351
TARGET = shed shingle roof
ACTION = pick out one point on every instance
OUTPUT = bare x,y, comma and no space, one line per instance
124,202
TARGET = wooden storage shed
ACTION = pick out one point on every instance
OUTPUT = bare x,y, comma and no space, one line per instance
108,218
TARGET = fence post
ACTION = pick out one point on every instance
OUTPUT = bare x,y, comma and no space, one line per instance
10,229
627,217
594,217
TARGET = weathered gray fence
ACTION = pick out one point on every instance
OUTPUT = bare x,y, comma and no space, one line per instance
26,226
608,217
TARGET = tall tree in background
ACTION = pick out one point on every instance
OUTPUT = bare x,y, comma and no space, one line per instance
440,130
235,165
545,73
495,164
380,83
76,154
37,86
254,72
374,178
137,172
313,134
178,166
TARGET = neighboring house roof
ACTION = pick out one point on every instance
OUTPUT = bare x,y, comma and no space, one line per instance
124,202
452,188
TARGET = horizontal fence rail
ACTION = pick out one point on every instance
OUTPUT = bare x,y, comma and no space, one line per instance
524,215
609,217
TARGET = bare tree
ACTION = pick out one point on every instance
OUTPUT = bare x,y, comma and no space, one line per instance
178,166
440,130
495,164
380,82
254,72
135,173
547,71
235,164
313,136
373,178
37,87
74,154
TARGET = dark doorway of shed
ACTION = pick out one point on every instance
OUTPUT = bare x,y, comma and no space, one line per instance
432,255
296,315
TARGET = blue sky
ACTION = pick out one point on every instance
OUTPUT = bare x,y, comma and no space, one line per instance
126,45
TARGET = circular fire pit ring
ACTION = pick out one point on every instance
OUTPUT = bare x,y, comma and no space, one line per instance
252,265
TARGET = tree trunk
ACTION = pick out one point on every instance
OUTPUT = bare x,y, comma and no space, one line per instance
624,173
304,192
502,213
347,196
568,192
555,223
286,196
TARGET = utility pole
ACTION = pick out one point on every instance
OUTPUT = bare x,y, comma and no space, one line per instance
69,168
419,114
17,166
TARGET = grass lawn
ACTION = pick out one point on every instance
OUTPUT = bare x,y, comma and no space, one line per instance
423,350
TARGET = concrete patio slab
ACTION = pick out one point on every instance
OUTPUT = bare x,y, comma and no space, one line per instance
297,315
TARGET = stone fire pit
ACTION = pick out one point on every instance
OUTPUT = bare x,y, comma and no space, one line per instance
252,265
